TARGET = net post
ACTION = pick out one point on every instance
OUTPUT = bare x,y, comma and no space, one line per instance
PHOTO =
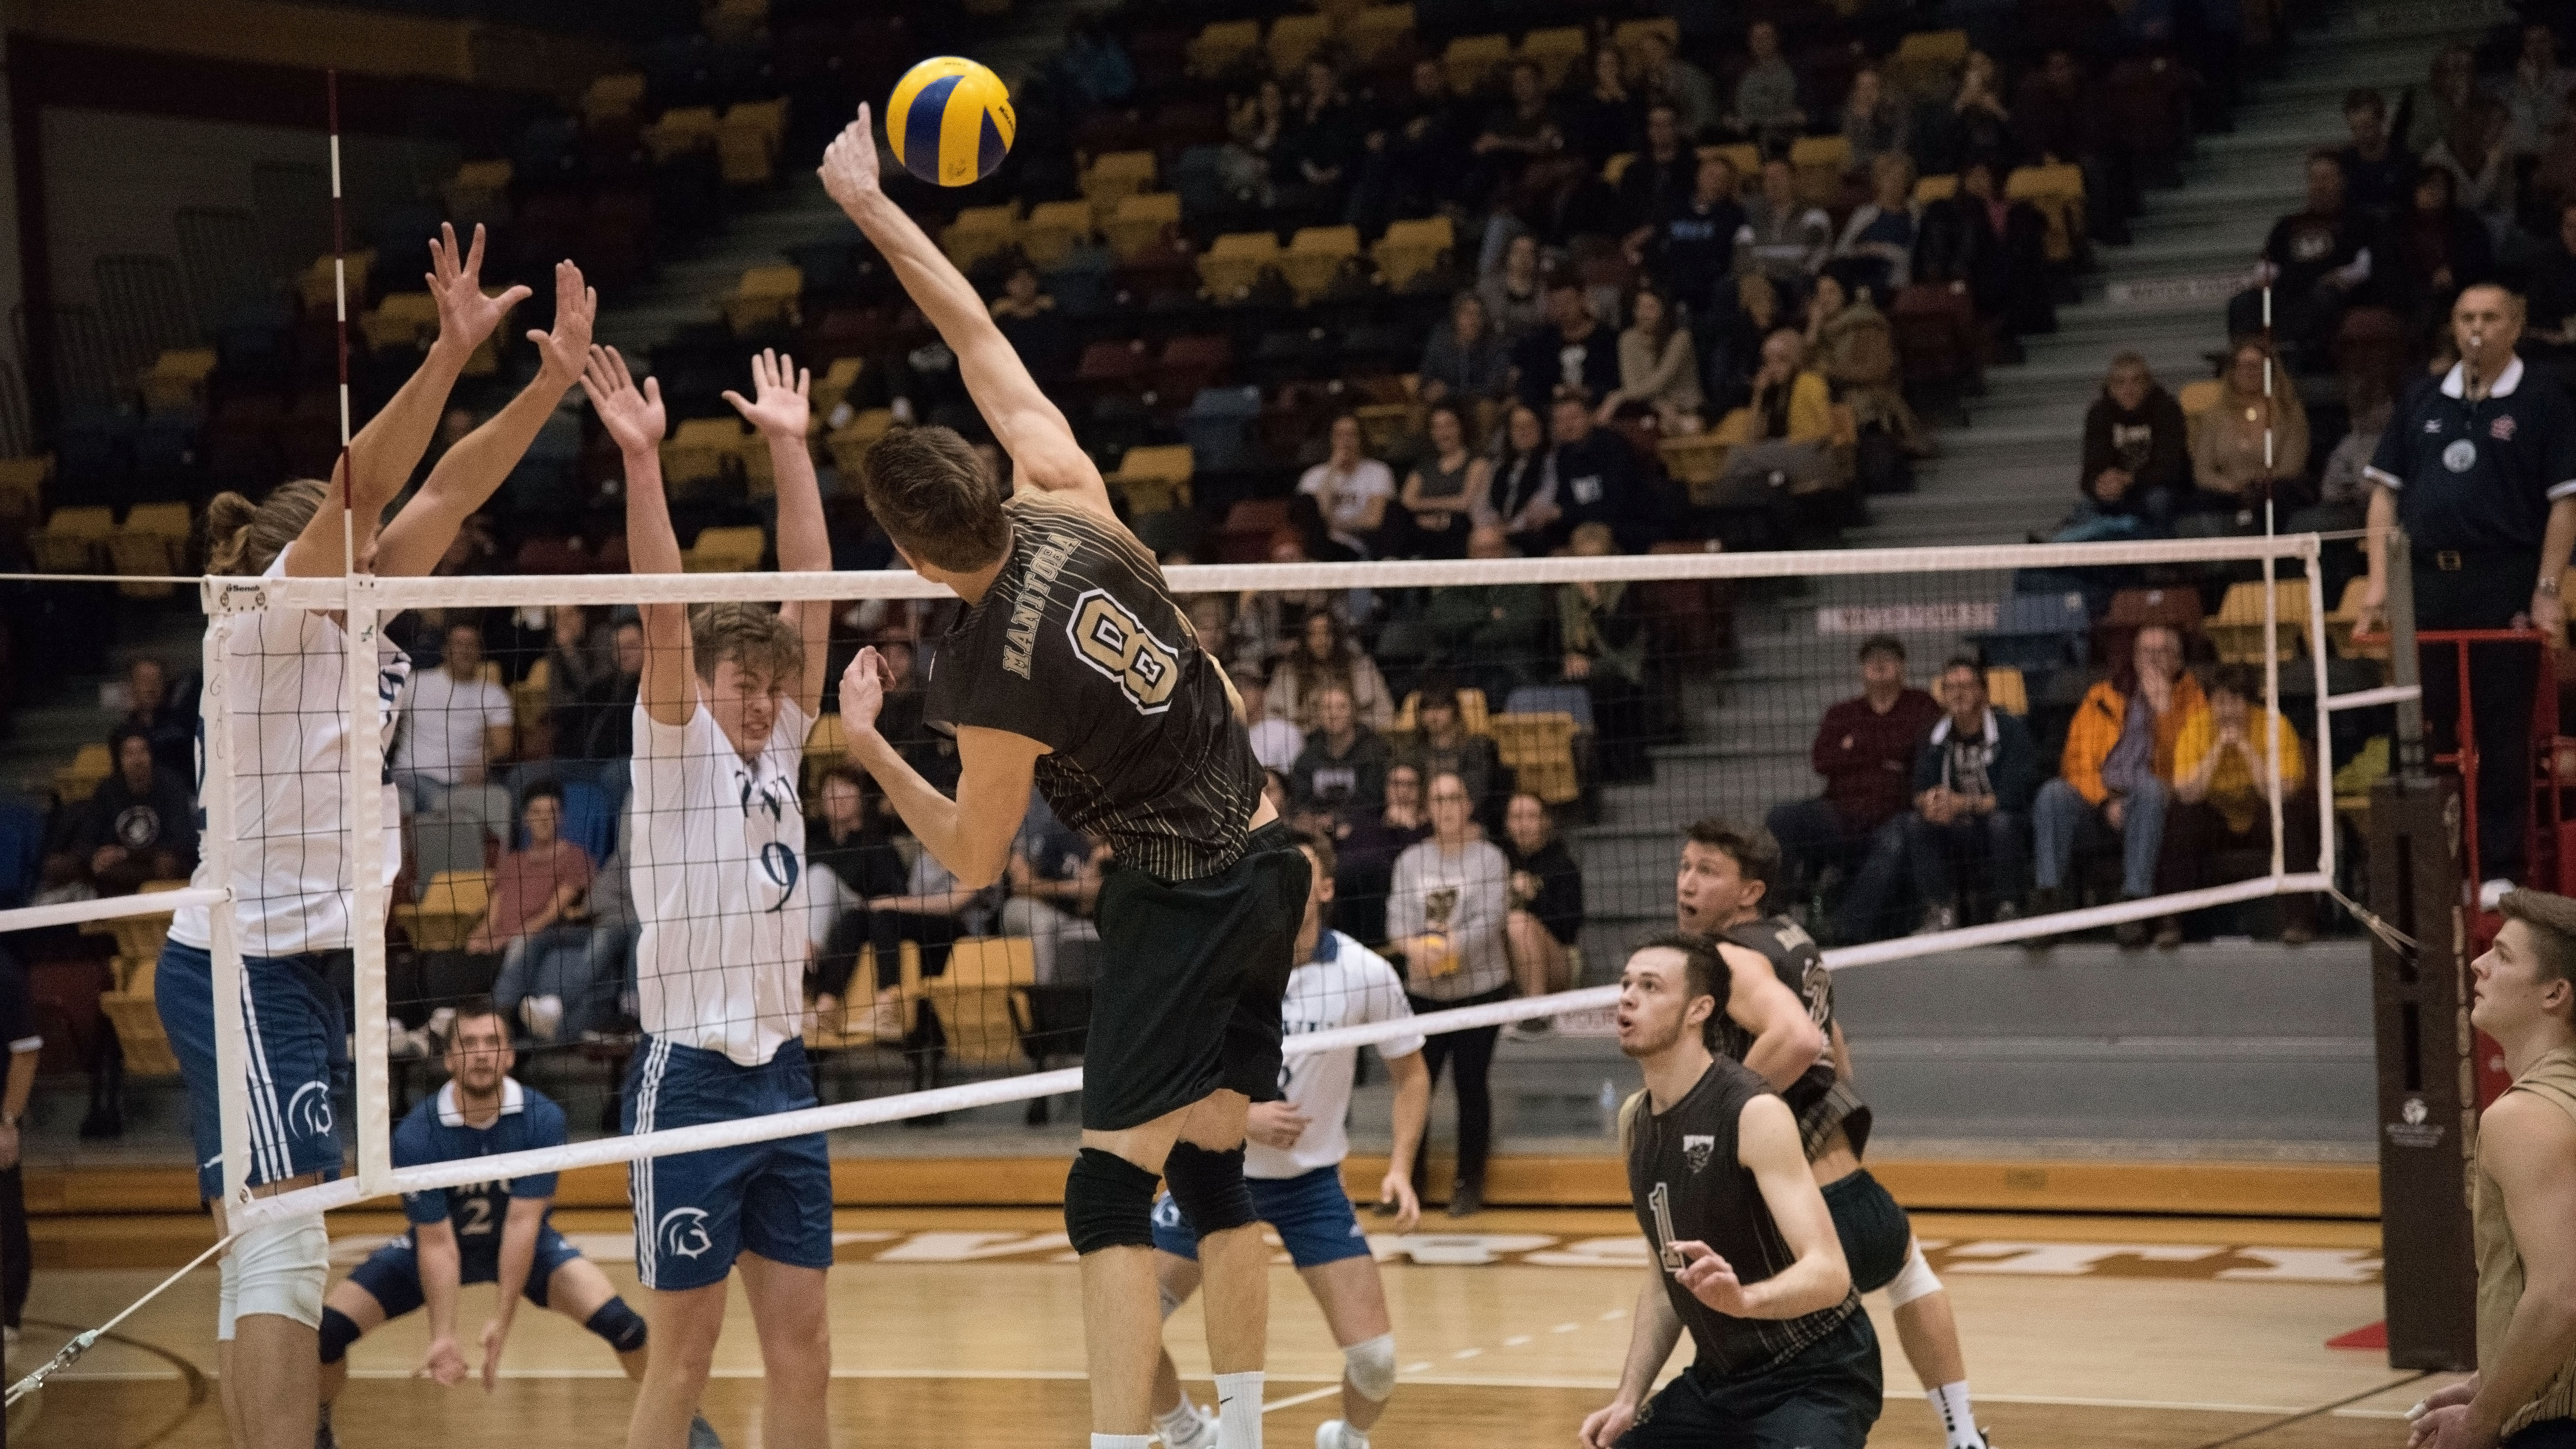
2404,664
368,904
2321,774
2272,680
215,791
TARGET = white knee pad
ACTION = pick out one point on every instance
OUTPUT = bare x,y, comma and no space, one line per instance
1371,1366
280,1268
1914,1280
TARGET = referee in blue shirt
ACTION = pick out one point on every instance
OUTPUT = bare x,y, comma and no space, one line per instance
2480,466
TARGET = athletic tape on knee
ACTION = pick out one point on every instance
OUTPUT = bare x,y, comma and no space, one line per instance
1108,1202
1371,1367
621,1327
1914,1280
339,1330
1209,1189
284,1266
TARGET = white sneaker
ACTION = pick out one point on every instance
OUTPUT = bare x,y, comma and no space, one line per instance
1200,1435
2491,894
1334,1434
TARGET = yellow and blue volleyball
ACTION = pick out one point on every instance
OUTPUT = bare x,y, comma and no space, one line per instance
949,121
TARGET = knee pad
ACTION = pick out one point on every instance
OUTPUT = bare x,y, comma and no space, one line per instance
617,1325
1371,1367
1914,1281
1209,1189
283,1267
1108,1202
339,1330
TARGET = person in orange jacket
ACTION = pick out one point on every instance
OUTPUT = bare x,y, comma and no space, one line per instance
2116,774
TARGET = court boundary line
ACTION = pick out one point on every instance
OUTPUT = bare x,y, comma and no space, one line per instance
2301,1417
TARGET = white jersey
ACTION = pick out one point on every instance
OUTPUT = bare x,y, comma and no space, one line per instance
1346,984
719,856
286,672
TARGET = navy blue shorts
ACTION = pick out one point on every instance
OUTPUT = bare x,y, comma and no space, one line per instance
1311,1211
391,1274
697,1212
296,1047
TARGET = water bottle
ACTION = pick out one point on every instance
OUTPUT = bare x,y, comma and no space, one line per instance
1609,1108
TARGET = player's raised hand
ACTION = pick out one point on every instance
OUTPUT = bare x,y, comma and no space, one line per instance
442,1363
849,168
566,349
495,1333
1710,1278
1397,1188
863,687
632,415
779,392
455,278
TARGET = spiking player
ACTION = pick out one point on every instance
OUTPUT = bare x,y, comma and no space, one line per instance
292,883
486,1232
1073,666
728,694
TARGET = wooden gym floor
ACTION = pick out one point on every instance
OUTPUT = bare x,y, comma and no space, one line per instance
961,1327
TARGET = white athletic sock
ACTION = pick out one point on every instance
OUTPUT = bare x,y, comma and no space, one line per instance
1238,1410
1350,1438
1958,1420
1121,1441
1179,1429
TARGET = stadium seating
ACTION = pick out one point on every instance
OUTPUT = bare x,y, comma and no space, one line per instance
2236,630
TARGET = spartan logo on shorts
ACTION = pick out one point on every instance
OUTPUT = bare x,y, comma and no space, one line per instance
1115,642
682,1233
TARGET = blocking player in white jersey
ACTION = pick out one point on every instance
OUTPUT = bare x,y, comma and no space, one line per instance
729,692
1294,1167
293,890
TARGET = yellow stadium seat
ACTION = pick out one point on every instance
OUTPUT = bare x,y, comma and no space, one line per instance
447,910
1929,189
315,286
22,484
735,19
826,745
2236,630
1138,221
404,320
2339,636
979,232
1471,58
152,541
978,998
1820,162
479,191
1617,166
2057,194
1316,255
91,763
834,385
2006,690
1698,459
1386,427
1631,35
1114,174
1215,49
1473,715
1411,248
695,453
611,96
1294,38
176,380
723,551
1745,157
1556,51
1235,261
2198,396
1539,751
850,442
1155,477
1372,32
72,541
747,149
1053,229
681,129
765,295
1927,62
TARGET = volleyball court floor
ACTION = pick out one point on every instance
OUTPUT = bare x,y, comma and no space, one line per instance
962,1328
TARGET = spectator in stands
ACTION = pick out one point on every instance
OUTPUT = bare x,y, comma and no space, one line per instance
1658,368
1690,251
1851,344
1467,359
1256,129
1865,749
1791,402
1521,129
1440,745
2316,260
1351,488
1659,179
1369,843
1514,292
1599,477
610,964
1997,248
1782,238
2377,173
1767,112
1972,786
2137,458
1603,113
1573,349
1974,126
2343,492
1546,885
1875,124
1447,911
1444,490
1495,633
2535,95
171,729
2057,120
2115,775
1601,639
581,662
2248,443
611,709
139,825
1876,249
2440,247
1276,742
860,864
1054,879
2551,284
2222,792
1326,655
1667,77
2473,151
1343,766
535,921
1022,299
934,913
456,725
1520,497
1321,142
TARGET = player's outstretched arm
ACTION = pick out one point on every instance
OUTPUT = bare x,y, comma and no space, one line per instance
1766,1138
518,1256
441,1270
1652,1332
476,467
778,408
1029,427
1786,1040
634,418
1412,1078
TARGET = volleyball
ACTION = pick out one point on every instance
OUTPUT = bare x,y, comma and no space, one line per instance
950,121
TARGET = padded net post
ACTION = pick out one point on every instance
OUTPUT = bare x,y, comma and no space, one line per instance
367,707
224,599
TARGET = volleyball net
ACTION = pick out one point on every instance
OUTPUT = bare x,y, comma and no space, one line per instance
1504,756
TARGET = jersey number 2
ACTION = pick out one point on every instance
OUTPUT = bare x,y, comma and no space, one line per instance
478,1216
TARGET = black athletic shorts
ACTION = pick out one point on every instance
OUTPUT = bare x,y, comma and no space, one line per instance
2547,1434
1876,1235
1191,973
1825,1398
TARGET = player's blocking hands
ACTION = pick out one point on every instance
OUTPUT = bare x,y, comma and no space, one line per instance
779,392
633,416
849,168
863,687
566,350
455,279
443,1363
1709,1278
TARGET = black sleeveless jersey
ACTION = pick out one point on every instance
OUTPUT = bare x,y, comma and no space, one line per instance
1079,646
1687,1183
1822,1100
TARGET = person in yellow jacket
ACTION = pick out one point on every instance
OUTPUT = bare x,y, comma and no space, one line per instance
2222,787
2116,775
1790,402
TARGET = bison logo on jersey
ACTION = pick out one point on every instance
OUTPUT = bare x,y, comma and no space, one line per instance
1115,642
